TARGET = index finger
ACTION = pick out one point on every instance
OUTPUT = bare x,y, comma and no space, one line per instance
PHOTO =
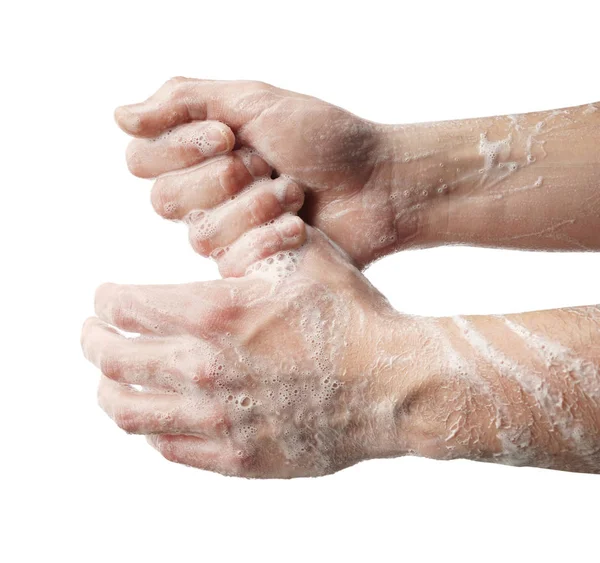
181,100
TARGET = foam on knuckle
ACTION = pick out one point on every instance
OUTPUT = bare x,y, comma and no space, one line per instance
203,377
202,229
269,243
199,242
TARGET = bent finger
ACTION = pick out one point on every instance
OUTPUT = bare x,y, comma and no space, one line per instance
259,203
182,100
178,148
206,185
286,233
202,309
138,412
160,362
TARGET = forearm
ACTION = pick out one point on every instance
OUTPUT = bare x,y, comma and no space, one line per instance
517,389
525,181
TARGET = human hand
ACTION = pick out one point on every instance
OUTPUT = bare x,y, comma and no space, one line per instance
340,160
289,371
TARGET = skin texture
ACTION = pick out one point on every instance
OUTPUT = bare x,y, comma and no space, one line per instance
295,365
518,181
301,368
519,389
285,372
328,151
514,181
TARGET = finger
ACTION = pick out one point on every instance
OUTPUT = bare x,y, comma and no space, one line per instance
287,232
178,148
181,100
164,363
261,202
195,452
132,308
138,412
207,185
202,309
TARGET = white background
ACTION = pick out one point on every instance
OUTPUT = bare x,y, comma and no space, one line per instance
76,488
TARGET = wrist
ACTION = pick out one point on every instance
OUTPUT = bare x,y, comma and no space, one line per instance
415,170
436,173
457,405
437,410
464,181
406,375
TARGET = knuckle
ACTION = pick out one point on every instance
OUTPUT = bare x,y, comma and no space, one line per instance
258,85
174,80
222,426
169,453
111,367
126,420
104,296
269,243
199,241
175,83
229,269
217,318
291,233
212,373
122,315
134,157
167,448
179,89
122,309
87,332
298,229
203,377
202,229
263,206
88,325
105,290
233,176
163,200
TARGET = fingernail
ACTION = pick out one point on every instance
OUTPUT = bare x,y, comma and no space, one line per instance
257,166
218,140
